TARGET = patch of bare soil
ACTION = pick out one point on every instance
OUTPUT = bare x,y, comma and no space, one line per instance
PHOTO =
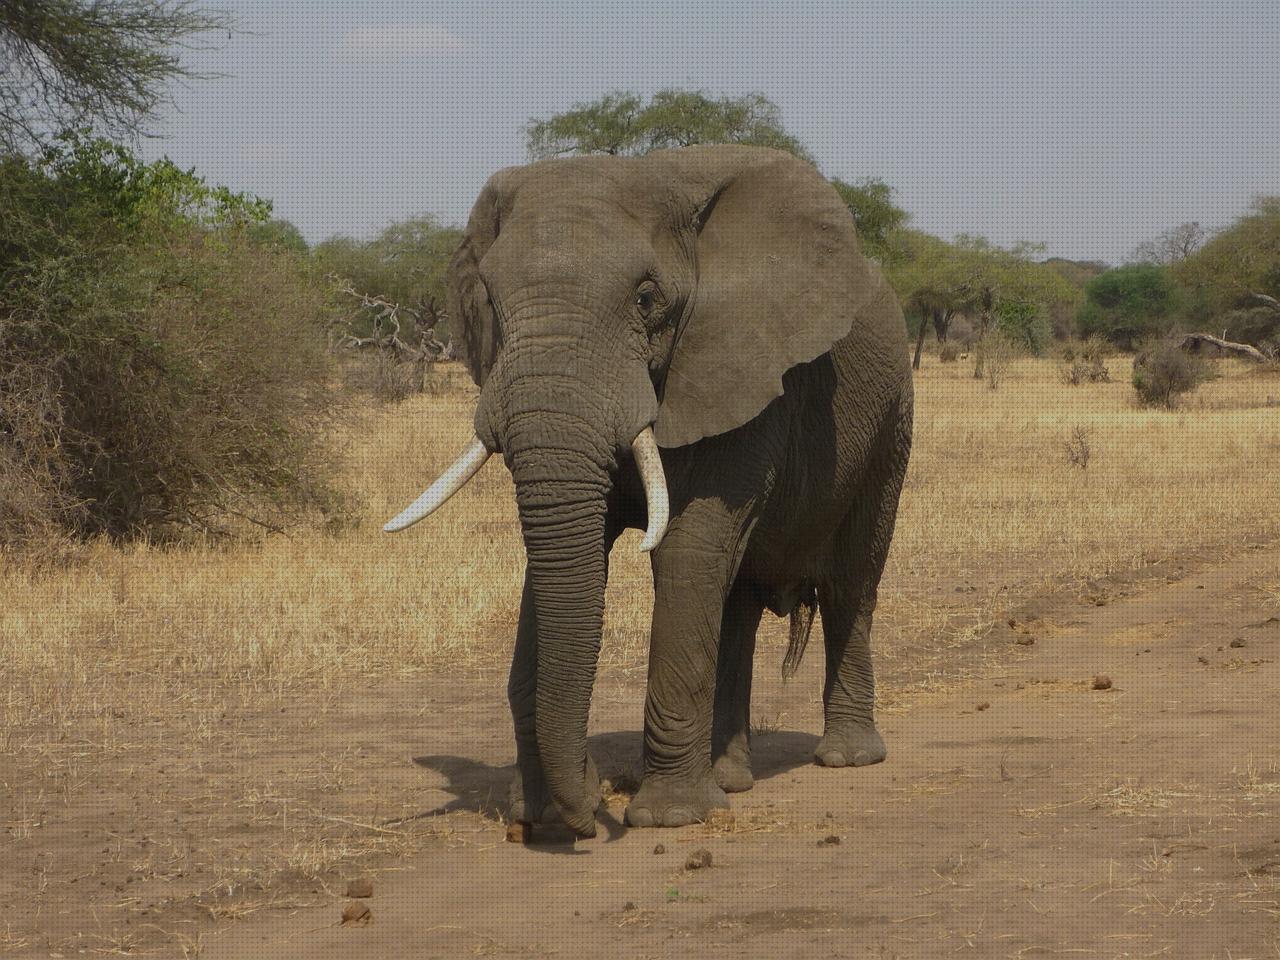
1135,821
1021,813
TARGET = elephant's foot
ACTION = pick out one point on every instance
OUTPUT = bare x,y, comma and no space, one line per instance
529,799
732,770
850,744
662,802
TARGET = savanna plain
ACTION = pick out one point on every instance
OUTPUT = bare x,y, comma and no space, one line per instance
201,746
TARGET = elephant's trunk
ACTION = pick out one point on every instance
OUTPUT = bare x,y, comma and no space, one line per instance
563,425
563,520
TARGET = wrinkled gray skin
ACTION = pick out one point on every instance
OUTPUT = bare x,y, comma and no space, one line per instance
718,294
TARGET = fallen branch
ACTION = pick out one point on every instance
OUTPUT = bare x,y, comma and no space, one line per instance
1204,343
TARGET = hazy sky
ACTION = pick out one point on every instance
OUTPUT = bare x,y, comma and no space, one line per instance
1089,126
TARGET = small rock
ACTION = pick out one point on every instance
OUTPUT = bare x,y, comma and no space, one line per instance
829,841
984,705
359,889
698,860
519,832
356,914
1102,682
1203,659
1024,639
659,850
1238,642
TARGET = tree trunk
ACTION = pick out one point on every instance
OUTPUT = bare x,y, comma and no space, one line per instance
924,326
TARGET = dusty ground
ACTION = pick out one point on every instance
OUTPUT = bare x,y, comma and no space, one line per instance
1020,814
199,747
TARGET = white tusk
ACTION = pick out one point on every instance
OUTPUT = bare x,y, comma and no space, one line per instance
450,482
649,463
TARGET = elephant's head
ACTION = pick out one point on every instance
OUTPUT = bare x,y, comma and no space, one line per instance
610,306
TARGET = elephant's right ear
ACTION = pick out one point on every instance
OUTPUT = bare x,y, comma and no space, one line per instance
468,301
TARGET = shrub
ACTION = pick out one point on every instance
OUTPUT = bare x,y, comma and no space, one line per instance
160,370
949,352
995,352
1162,373
1079,446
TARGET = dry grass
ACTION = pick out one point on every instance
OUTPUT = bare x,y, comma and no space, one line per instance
990,502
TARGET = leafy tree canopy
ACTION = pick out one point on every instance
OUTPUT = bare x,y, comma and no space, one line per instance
1128,303
622,124
72,63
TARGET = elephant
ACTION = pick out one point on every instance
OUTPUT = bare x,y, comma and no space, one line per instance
689,343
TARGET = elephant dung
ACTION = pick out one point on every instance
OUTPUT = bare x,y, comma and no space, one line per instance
519,832
1102,682
698,860
356,914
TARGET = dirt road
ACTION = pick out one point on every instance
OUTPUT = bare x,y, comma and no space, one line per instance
1020,814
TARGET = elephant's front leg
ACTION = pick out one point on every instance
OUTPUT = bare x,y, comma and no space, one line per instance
692,572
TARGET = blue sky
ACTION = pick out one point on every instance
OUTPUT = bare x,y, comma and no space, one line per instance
1088,126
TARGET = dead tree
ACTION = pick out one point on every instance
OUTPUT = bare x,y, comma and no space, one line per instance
386,330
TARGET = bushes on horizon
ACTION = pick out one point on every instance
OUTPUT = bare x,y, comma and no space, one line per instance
161,371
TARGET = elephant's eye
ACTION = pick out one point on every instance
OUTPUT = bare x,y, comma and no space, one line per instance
645,300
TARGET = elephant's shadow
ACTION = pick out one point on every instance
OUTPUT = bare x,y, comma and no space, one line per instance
481,788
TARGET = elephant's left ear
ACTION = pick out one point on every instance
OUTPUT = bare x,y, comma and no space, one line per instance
780,279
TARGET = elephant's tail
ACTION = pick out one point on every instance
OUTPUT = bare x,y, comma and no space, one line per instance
801,626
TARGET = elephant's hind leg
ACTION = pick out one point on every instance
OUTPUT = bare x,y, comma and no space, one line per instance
847,600
731,726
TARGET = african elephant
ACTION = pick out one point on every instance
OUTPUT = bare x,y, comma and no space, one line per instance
688,343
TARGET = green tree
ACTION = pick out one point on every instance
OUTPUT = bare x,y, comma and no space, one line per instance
929,279
73,63
1232,283
876,216
622,124
1128,304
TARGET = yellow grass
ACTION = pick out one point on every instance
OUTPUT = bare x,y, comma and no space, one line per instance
991,502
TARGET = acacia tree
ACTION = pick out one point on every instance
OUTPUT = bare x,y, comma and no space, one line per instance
622,124
74,63
929,280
